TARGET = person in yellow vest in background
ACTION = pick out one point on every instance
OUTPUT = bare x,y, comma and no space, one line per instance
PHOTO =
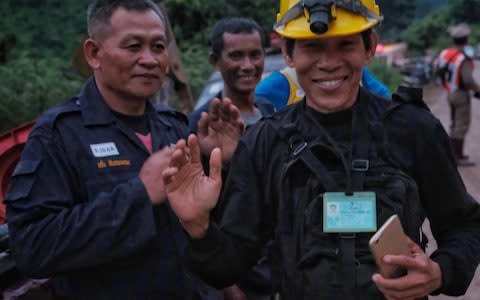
281,87
455,69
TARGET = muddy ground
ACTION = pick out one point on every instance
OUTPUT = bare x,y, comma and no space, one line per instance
436,100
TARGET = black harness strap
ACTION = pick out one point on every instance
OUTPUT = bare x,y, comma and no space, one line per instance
301,149
359,166
355,171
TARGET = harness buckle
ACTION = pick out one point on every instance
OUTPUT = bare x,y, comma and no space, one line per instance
297,145
360,165
347,236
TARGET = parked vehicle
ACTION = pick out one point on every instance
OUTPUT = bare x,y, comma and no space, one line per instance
416,71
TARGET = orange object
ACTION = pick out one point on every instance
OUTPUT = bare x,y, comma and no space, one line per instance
11,146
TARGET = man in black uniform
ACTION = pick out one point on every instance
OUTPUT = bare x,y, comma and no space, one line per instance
86,205
342,145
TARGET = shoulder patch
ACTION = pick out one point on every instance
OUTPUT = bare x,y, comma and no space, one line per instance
51,115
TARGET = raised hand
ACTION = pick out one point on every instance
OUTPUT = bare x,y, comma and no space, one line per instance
192,194
424,276
221,127
151,174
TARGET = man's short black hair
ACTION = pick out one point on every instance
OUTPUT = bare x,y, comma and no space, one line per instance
290,43
232,25
100,12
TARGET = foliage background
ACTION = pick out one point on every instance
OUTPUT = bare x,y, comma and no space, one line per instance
38,39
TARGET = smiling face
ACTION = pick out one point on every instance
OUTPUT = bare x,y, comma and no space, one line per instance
130,62
330,69
241,62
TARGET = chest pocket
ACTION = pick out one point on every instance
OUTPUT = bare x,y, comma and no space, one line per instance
107,183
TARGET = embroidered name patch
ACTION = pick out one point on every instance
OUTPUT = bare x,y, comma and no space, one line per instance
113,163
104,149
118,163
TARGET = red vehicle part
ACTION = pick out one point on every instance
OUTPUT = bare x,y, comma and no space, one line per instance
11,146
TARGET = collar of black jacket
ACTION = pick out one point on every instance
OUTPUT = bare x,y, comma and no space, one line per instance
95,110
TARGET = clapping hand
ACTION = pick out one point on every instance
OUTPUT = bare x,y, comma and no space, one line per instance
221,127
151,174
192,194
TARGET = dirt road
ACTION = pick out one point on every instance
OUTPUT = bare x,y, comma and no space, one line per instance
436,100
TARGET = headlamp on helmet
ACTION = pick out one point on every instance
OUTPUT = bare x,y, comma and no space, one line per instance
320,14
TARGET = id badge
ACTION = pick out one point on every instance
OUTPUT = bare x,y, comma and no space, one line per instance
355,213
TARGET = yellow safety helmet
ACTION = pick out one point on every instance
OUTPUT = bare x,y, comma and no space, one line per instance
306,19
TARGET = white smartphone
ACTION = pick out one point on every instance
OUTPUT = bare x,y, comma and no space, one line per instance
389,239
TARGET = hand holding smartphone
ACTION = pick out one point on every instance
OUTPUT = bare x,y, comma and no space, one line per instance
389,239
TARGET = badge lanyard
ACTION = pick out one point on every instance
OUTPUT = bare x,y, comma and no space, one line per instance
359,162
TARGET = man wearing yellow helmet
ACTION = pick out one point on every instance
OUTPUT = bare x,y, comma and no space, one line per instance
341,145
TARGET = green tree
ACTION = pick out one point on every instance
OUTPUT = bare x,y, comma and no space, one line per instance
432,31
398,15
36,72
41,36
193,20
389,76
30,86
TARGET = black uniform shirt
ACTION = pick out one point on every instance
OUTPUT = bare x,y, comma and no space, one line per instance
79,213
414,140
